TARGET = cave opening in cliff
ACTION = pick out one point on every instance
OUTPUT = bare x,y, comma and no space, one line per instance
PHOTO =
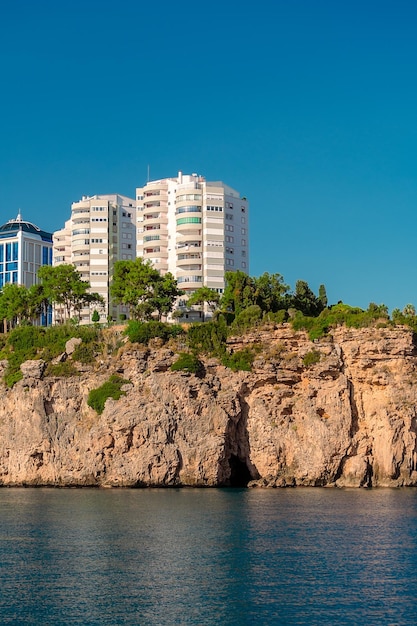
239,472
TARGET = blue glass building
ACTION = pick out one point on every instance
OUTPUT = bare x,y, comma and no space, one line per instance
24,248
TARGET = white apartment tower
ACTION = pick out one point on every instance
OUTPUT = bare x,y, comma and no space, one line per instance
193,228
100,231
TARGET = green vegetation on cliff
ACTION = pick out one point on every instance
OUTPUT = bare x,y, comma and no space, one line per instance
36,342
112,388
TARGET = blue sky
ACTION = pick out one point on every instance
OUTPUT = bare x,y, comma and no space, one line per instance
307,107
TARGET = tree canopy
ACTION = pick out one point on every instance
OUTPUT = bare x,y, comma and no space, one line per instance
63,286
138,285
204,295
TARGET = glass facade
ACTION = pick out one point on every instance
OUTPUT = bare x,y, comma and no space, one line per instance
23,250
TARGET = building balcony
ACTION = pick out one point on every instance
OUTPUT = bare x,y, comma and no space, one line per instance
190,281
156,229
184,260
153,254
80,212
77,220
194,268
151,205
80,245
188,243
151,237
155,221
186,230
184,208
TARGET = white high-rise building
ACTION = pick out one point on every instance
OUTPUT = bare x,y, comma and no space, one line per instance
193,228
100,231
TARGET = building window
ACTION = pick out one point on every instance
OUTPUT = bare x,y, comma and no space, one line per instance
243,220
243,231
45,255
244,264
243,242
189,220
243,209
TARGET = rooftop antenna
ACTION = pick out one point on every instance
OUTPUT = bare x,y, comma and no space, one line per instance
148,173
19,216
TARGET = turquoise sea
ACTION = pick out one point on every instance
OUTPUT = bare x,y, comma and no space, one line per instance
208,556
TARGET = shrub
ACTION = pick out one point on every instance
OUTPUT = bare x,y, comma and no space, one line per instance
84,353
64,369
352,317
239,361
248,318
142,332
110,389
279,317
29,342
187,362
12,377
311,357
25,337
208,337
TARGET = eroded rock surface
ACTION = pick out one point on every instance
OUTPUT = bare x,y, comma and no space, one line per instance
348,419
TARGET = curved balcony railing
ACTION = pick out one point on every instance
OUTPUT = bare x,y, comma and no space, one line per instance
188,280
188,209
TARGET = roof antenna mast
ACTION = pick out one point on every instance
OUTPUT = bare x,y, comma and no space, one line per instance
148,173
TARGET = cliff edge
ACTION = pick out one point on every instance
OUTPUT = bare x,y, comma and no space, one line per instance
340,411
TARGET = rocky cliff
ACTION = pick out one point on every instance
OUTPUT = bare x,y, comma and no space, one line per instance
340,411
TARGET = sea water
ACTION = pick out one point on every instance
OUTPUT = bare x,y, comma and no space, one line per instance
208,556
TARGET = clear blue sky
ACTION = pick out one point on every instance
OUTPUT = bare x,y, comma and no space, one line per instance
307,107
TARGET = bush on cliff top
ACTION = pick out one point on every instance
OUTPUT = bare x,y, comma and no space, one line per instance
337,315
208,338
31,342
143,332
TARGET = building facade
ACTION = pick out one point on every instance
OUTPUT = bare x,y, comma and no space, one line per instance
193,228
100,231
24,248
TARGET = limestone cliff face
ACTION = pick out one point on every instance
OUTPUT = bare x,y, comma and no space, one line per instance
348,419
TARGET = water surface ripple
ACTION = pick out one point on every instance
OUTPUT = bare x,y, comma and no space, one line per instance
208,556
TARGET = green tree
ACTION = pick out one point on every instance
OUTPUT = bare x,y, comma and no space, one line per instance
378,310
165,292
304,300
96,316
202,296
138,285
323,296
270,292
239,292
64,287
409,310
13,305
38,302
